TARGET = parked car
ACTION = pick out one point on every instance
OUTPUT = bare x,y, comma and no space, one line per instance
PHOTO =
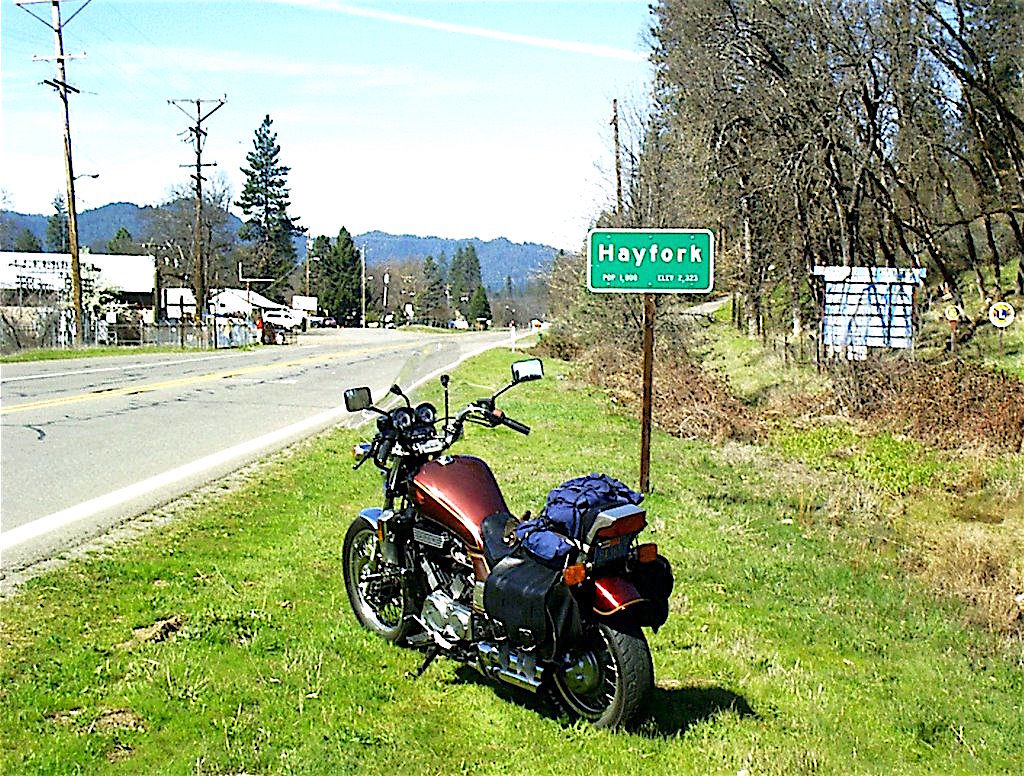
284,319
330,322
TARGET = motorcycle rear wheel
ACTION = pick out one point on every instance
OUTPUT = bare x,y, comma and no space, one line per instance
606,680
379,598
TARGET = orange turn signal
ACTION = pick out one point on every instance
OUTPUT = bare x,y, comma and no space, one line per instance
573,575
646,553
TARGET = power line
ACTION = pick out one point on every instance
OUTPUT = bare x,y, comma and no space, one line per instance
60,84
197,134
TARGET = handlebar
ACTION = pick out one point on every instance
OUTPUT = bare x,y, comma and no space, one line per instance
382,447
498,417
515,425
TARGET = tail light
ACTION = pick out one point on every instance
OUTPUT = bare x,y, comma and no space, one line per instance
630,524
575,574
647,553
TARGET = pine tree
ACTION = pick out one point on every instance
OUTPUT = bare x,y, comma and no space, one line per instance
464,277
479,306
321,247
264,201
121,242
338,277
58,227
442,267
318,255
432,304
26,242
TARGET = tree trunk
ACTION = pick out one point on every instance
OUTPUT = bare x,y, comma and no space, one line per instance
1019,236
996,263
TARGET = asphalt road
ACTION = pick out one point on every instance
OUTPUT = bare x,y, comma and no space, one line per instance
88,443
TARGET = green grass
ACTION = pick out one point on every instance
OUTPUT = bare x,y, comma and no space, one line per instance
756,374
56,354
790,648
895,466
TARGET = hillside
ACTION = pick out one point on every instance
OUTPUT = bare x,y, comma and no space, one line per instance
498,258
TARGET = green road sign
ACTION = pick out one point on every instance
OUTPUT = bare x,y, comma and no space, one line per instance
651,261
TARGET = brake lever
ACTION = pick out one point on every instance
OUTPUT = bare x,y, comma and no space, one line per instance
366,457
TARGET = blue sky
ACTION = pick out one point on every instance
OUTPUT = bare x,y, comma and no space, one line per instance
458,119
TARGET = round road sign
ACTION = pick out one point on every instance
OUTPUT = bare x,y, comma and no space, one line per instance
951,313
1001,314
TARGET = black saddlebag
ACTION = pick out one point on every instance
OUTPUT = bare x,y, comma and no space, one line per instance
533,603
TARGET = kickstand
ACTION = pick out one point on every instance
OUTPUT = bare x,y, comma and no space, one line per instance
432,652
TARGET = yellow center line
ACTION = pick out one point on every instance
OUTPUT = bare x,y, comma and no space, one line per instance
131,390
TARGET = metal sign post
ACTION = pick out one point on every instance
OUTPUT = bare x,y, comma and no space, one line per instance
650,261
1001,315
648,394
952,314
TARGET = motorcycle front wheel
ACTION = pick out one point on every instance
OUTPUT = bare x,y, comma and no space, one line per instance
606,678
376,591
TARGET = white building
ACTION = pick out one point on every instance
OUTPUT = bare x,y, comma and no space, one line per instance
130,278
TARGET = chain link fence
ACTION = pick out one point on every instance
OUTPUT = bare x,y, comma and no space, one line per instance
25,328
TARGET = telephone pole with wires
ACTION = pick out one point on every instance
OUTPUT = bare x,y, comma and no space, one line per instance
197,135
61,86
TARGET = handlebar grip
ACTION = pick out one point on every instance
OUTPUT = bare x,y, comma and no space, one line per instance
515,425
380,458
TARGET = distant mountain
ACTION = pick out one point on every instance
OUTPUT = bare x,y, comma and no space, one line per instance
96,227
498,258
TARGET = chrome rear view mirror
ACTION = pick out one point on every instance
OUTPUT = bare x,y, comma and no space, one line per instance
530,369
358,399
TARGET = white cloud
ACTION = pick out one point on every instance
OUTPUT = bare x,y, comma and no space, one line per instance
135,62
575,47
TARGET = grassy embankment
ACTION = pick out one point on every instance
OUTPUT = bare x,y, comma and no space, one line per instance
57,354
794,645
954,517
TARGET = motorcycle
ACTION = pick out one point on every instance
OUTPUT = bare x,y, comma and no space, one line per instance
437,567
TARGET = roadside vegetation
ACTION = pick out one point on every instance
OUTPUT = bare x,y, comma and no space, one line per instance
814,628
57,354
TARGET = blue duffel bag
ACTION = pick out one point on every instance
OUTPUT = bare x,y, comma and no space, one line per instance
567,512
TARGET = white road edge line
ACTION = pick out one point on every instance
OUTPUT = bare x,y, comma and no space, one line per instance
65,517
96,370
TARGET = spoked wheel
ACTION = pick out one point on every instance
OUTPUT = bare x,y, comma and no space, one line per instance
606,679
377,593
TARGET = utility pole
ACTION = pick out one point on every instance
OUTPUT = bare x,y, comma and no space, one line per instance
198,136
60,84
362,283
309,250
619,161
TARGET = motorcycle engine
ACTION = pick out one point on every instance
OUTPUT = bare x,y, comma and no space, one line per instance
443,611
452,620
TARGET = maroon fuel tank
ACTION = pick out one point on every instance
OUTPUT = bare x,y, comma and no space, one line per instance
458,494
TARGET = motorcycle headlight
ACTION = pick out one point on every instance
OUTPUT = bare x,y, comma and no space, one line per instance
426,413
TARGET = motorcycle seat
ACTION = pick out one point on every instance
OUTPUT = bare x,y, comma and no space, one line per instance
493,530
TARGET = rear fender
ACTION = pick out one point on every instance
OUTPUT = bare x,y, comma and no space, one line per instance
635,599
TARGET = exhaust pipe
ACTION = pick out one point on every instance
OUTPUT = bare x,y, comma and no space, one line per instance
514,668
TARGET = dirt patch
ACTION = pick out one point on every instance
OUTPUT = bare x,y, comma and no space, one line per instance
159,631
117,719
66,717
119,754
